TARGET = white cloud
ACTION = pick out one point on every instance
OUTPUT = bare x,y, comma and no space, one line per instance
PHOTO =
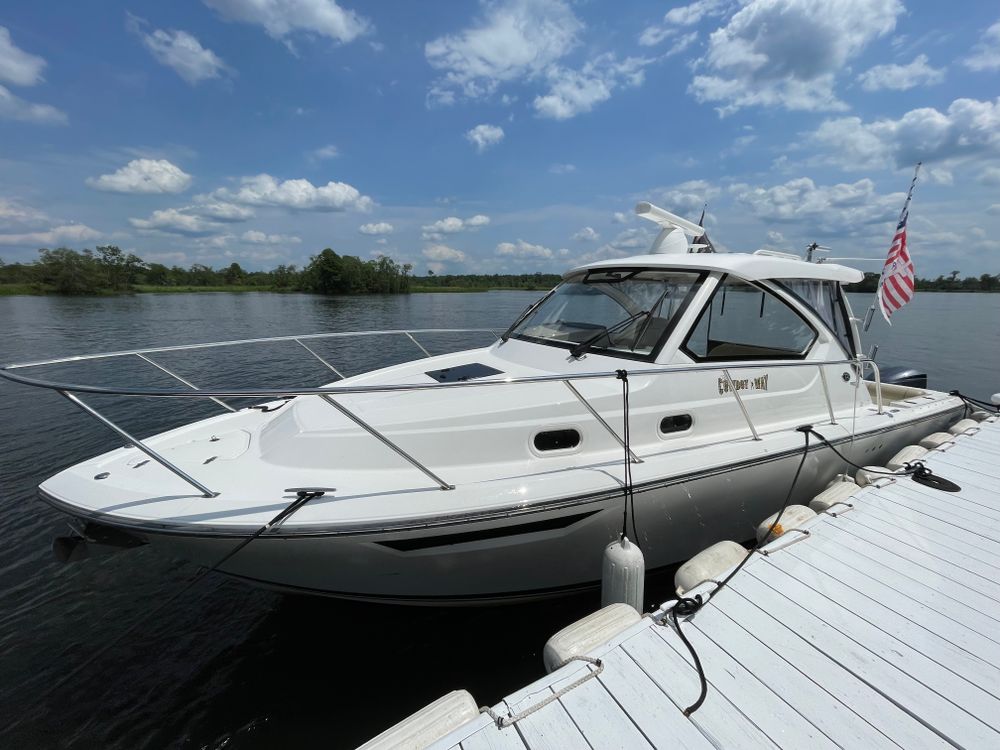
901,77
75,233
180,51
687,15
628,242
143,176
687,198
219,211
587,234
989,176
13,212
985,53
325,152
844,208
300,194
522,249
175,221
18,67
443,253
484,136
994,209
682,43
453,225
573,92
256,237
282,18
562,168
968,128
15,108
786,53
620,218
381,227
512,40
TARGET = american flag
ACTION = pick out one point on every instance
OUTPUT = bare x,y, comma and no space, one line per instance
895,287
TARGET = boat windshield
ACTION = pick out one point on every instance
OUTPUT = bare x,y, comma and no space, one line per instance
623,312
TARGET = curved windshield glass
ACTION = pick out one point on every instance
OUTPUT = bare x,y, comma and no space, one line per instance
619,312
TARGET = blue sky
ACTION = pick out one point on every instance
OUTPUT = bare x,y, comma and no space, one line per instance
499,136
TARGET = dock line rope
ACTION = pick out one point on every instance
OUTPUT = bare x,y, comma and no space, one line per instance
975,403
916,470
686,606
629,489
507,720
301,499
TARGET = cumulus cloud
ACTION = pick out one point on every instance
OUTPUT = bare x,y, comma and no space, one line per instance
175,221
484,136
453,225
516,39
985,54
968,128
256,237
786,53
562,168
619,217
180,51
219,211
143,176
381,227
522,249
687,198
15,108
573,92
628,242
18,67
282,18
901,77
60,235
300,194
587,234
443,253
829,209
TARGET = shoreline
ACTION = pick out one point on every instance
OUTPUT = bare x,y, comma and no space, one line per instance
30,290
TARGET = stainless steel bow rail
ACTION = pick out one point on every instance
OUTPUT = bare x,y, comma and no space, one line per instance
326,393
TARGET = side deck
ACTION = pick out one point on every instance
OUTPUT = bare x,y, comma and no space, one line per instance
878,628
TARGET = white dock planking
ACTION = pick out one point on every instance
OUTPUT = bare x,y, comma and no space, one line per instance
880,628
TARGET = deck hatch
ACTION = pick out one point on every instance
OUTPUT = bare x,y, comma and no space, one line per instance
463,372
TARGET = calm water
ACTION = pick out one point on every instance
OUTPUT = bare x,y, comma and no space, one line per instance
231,666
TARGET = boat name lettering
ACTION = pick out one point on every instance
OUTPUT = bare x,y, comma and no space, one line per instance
747,384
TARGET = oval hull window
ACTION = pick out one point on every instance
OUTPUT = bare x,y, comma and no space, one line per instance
676,423
556,440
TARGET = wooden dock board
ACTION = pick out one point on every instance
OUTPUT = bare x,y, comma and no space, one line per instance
880,628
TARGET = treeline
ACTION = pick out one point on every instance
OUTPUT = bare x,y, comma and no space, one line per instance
108,270
445,282
949,283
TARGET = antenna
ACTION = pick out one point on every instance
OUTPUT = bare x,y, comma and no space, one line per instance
815,247
674,231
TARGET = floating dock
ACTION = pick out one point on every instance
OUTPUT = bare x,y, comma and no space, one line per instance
880,627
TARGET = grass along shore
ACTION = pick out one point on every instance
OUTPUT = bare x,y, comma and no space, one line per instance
37,290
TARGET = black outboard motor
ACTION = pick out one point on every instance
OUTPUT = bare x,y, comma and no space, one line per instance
907,376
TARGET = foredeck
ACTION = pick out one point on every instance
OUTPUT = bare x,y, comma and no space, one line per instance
878,628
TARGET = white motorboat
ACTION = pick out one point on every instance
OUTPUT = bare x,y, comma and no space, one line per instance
497,473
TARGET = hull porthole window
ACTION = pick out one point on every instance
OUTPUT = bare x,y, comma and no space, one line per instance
557,440
675,423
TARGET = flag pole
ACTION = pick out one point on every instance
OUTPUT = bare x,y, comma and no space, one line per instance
878,289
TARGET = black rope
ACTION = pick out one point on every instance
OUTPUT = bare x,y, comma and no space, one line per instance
687,605
916,470
975,402
629,496
302,498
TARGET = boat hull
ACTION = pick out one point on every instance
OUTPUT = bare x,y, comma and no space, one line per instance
546,552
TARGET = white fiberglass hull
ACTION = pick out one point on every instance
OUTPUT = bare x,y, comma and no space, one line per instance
553,549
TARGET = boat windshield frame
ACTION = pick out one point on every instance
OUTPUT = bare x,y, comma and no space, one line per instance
625,273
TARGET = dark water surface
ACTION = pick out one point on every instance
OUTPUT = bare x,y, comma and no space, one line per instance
226,665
